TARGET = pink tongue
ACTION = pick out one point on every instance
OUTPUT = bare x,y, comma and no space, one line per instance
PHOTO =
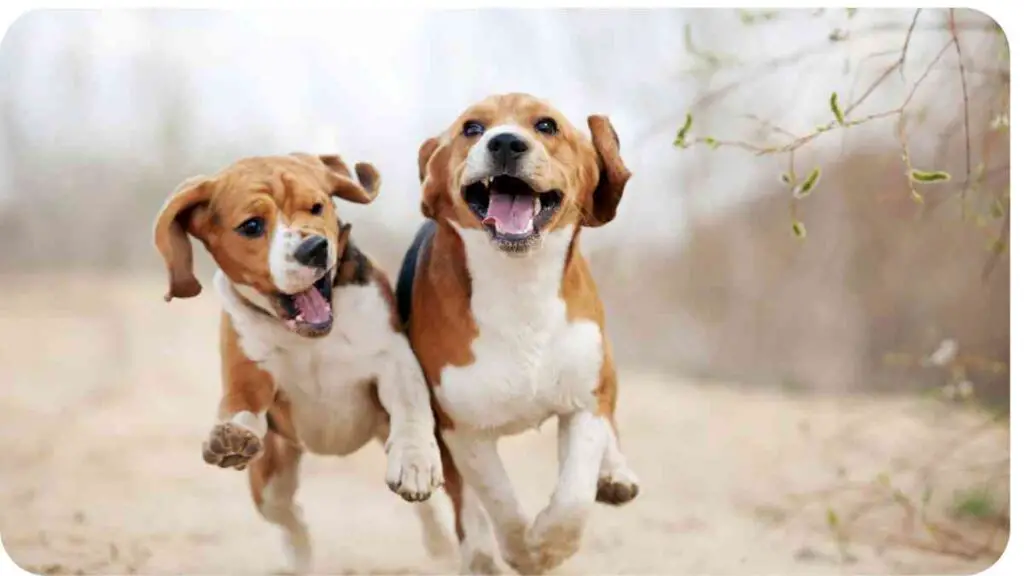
313,308
510,213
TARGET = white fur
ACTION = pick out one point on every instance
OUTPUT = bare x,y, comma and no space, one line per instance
329,382
279,507
613,465
477,549
256,298
476,456
255,423
556,533
531,363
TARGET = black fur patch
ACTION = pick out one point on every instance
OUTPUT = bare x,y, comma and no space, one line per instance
406,275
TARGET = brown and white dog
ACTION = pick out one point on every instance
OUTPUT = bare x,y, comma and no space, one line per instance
313,357
505,318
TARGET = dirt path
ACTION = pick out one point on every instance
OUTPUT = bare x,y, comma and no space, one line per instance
108,393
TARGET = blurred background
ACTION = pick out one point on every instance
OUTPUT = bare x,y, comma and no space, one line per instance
771,272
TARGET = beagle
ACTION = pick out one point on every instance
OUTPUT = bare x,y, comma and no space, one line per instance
506,321
313,356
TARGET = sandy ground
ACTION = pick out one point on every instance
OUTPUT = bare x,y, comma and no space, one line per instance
108,392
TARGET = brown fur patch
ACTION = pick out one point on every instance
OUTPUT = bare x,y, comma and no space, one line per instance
279,418
246,386
582,301
442,327
279,456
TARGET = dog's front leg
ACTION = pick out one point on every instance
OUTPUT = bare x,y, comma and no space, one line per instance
248,392
477,460
414,461
558,529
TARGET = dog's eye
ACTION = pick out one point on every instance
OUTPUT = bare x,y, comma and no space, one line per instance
317,209
471,129
546,126
251,228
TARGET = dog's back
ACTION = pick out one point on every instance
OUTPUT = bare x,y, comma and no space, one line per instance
407,273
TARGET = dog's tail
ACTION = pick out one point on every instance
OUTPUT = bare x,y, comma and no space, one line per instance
407,273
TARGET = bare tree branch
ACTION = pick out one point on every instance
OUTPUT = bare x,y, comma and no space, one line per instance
803,140
999,247
906,42
856,78
967,112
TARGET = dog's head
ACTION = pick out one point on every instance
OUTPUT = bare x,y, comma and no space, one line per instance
514,166
270,225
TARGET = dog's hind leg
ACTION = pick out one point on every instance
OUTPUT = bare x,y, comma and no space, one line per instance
274,479
477,545
617,484
432,528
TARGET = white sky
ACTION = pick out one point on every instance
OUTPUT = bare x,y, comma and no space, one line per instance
375,83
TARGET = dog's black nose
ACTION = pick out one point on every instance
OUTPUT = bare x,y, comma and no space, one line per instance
312,252
506,148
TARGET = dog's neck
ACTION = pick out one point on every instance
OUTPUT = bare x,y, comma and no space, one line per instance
519,281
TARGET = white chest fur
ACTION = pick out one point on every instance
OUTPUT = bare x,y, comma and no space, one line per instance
530,361
329,380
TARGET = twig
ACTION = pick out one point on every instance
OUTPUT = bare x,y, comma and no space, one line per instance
878,81
990,264
946,452
906,42
874,85
819,48
802,140
967,111
763,69
767,124
898,64
935,548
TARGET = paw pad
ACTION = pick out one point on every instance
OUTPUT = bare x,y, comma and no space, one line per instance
231,446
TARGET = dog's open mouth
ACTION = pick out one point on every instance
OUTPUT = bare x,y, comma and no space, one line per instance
308,313
511,210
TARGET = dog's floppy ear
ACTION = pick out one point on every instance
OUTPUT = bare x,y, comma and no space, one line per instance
427,149
613,173
362,189
169,234
433,167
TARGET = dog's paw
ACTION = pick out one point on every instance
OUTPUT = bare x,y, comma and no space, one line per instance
231,446
414,466
481,563
555,536
515,551
617,487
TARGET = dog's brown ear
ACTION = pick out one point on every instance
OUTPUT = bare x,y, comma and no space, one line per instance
613,173
362,189
427,149
433,165
170,235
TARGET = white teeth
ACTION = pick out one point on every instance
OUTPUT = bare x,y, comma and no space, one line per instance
487,182
536,205
299,318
